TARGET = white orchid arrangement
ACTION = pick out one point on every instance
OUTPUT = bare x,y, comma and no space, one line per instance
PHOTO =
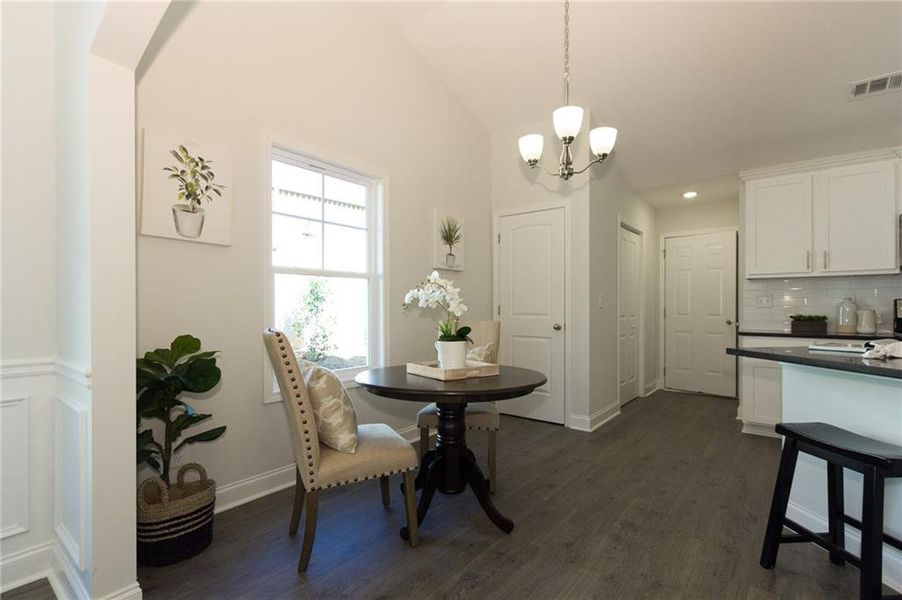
437,293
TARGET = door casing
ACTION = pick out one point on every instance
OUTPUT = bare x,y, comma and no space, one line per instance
662,291
568,297
640,336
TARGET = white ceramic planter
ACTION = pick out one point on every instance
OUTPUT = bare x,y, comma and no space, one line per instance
452,355
188,224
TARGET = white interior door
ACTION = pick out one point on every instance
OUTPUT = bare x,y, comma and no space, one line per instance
531,285
629,315
700,313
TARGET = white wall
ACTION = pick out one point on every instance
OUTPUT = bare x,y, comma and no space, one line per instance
28,340
340,84
613,202
695,217
597,203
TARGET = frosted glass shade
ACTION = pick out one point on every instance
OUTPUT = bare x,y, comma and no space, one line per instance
602,139
568,120
531,146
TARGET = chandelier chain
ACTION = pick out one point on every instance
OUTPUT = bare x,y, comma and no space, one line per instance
566,52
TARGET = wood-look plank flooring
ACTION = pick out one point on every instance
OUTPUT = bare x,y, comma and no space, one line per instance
36,590
668,500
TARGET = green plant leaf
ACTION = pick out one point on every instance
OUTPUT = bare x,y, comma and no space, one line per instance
463,332
201,375
183,345
161,356
177,156
184,421
206,436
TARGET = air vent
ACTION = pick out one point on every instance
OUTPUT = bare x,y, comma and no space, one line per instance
890,82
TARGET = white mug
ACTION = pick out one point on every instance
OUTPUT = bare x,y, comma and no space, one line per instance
867,321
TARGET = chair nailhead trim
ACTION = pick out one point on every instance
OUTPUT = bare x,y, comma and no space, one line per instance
368,477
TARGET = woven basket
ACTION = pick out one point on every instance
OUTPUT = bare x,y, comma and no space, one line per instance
175,522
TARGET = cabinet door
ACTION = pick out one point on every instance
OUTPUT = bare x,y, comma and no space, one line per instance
778,225
762,391
856,222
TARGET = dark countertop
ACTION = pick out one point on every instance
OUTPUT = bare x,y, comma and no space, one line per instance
830,335
838,361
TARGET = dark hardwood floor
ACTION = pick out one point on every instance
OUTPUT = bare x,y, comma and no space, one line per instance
668,500
36,590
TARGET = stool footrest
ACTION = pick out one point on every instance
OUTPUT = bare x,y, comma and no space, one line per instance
887,538
821,540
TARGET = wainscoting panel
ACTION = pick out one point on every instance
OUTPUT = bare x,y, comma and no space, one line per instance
15,457
71,508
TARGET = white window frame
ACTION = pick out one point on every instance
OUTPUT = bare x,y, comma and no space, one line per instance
377,185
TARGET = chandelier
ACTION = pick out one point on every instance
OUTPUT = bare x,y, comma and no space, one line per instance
568,120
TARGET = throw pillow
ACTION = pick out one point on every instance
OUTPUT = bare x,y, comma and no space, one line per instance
336,422
484,354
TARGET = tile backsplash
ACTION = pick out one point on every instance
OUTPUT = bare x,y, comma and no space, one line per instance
815,296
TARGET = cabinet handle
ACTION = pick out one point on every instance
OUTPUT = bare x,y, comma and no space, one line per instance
808,260
825,260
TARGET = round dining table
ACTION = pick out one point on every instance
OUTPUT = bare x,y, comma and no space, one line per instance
451,466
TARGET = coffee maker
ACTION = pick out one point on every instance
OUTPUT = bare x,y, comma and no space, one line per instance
897,318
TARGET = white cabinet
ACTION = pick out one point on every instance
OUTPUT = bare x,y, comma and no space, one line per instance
836,220
778,225
761,385
855,218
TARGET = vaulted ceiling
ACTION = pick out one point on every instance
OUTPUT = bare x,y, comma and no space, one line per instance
697,90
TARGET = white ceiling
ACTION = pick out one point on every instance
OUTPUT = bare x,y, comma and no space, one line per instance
716,189
697,90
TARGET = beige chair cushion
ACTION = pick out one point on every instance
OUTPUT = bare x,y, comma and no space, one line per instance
380,451
336,422
480,415
484,353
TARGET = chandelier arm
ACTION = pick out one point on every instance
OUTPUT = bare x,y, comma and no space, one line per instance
542,167
598,160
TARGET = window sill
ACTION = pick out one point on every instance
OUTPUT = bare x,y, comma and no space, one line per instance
346,376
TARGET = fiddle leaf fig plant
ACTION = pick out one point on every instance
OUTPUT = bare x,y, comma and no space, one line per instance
163,375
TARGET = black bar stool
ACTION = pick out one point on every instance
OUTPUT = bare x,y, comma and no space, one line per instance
876,460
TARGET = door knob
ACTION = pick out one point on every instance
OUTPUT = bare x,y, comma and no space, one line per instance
557,326
729,321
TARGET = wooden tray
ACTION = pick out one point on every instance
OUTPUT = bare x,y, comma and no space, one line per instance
433,371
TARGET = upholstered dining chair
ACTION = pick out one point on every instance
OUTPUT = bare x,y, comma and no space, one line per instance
380,451
482,416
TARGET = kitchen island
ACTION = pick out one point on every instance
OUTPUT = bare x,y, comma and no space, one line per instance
861,395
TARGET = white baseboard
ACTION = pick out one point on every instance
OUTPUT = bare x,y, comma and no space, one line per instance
130,592
22,568
892,558
758,429
243,491
651,387
595,420
64,578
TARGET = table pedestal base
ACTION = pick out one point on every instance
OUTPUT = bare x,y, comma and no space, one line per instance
451,467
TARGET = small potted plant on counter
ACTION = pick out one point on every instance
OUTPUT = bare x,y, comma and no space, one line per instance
174,521
808,324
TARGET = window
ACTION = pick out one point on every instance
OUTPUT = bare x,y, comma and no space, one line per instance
326,291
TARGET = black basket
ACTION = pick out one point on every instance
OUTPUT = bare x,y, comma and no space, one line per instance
175,523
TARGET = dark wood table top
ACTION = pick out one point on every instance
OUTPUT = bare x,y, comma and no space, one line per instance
395,382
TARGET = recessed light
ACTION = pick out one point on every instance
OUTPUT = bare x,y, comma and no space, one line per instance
690,195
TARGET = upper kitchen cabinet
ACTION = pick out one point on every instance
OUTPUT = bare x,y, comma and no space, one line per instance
778,239
838,216
855,220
